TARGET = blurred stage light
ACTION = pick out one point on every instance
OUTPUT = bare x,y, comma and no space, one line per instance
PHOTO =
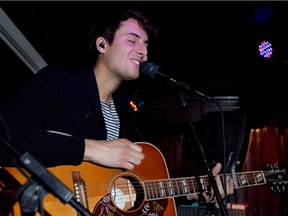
136,101
265,49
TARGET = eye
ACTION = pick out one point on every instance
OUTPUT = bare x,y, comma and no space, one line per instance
131,41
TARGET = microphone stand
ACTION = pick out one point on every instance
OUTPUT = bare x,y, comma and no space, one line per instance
208,170
42,180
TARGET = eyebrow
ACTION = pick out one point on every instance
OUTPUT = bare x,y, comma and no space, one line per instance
138,36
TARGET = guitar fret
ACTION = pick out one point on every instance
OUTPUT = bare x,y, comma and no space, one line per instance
250,178
170,188
243,180
182,185
260,178
178,186
154,189
191,185
246,179
161,191
185,186
195,185
148,190
238,180
202,184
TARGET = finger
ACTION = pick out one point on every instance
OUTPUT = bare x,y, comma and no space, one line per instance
192,196
208,196
220,186
135,160
216,169
128,166
136,147
135,155
230,186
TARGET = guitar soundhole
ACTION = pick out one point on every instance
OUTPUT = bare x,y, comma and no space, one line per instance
127,193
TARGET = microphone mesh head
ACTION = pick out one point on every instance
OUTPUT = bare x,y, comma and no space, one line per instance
149,68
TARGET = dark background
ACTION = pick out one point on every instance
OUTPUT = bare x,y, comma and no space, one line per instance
211,45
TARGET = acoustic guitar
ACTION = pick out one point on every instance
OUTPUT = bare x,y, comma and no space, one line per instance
145,190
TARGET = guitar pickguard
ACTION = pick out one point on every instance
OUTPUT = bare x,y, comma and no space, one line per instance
127,197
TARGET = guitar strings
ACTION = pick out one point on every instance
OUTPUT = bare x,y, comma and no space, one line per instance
177,184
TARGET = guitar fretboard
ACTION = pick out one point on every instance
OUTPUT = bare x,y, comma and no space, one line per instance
191,185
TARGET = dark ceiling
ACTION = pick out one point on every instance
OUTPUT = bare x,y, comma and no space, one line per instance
209,44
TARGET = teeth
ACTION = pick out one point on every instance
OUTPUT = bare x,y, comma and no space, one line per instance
136,62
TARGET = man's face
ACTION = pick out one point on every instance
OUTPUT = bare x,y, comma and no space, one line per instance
128,50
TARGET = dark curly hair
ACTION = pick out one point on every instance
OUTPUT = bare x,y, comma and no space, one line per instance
108,26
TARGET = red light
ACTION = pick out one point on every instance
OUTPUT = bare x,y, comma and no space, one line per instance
134,106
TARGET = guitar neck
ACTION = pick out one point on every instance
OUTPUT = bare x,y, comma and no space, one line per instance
175,187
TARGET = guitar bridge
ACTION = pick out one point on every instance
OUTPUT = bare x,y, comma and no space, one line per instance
80,193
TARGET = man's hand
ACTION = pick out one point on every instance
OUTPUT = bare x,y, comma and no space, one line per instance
118,153
209,196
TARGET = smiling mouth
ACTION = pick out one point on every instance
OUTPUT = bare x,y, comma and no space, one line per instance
136,62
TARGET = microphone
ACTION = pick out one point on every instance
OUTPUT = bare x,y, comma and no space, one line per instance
151,69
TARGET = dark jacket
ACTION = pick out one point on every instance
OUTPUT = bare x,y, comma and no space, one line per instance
66,101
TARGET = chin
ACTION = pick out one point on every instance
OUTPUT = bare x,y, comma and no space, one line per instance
133,76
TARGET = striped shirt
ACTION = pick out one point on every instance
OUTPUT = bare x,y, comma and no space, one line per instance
111,118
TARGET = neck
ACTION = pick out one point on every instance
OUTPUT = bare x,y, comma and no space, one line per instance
106,83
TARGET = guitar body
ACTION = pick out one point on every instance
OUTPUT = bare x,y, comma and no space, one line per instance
147,190
107,191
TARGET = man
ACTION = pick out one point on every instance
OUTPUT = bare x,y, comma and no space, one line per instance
67,116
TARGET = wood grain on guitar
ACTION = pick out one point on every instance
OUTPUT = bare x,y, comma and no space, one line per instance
146,190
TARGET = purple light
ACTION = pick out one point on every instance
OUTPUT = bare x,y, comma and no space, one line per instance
265,49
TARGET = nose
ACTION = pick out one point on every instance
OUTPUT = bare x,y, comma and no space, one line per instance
142,51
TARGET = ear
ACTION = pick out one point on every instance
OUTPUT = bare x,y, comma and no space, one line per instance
101,44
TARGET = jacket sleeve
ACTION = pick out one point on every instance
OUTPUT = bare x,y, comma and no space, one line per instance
28,116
